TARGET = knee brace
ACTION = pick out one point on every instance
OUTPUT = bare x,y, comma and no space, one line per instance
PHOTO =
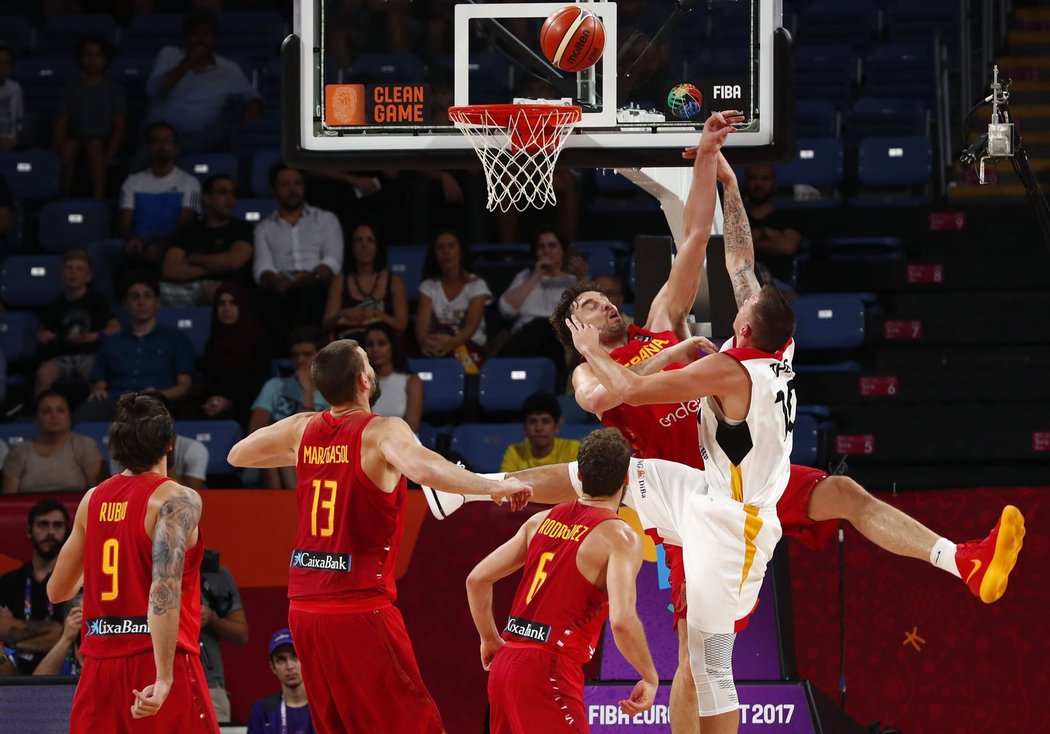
711,657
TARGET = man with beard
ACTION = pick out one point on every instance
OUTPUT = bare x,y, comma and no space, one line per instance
772,230
23,592
358,665
298,249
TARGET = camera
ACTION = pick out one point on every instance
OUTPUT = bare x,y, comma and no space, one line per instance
219,602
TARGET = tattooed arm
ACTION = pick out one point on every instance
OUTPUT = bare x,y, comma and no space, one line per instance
740,250
175,531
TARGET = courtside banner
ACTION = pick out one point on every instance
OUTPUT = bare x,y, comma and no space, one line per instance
774,708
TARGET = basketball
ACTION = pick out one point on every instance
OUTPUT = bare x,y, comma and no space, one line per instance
685,101
572,38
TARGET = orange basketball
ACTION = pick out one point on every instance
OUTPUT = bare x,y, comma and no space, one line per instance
572,38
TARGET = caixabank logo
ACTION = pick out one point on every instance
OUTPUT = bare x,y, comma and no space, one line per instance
105,626
321,561
528,630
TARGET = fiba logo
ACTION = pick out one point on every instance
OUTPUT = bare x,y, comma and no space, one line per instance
726,91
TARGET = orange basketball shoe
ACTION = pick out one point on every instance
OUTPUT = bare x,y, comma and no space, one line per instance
985,565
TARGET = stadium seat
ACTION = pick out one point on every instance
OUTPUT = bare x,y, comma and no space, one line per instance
427,435
28,281
388,68
826,72
816,118
880,116
506,381
818,163
217,436
15,433
482,445
577,431
193,321
149,32
206,165
902,70
620,247
828,321
805,440
895,161
253,211
407,261
253,33
488,76
832,21
18,33
73,223
18,336
98,430
443,382
912,21
261,163
33,175
106,254
600,260
864,248
62,33
135,69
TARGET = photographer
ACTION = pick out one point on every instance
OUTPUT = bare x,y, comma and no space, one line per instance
222,618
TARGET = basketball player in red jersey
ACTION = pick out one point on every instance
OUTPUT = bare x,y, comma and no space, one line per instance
581,563
136,548
357,662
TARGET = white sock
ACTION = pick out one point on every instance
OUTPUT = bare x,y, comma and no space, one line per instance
943,556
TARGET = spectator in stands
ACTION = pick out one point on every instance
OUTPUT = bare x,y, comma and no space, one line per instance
285,711
92,115
10,101
23,592
281,397
187,462
450,319
400,390
215,248
7,214
155,201
236,358
365,292
773,231
298,249
72,325
204,95
531,297
65,658
541,419
57,460
145,357
222,618
610,287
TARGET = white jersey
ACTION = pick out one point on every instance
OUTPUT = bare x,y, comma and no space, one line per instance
750,460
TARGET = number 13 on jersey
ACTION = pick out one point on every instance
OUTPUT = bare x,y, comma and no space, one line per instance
329,489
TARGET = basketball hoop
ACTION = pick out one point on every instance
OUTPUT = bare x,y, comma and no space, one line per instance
518,145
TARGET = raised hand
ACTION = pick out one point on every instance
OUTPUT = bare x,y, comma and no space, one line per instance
514,490
717,128
584,336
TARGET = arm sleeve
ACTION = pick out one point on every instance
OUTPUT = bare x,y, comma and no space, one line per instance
191,193
167,59
332,245
263,260
196,458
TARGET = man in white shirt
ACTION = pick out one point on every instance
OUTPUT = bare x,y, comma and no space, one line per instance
298,249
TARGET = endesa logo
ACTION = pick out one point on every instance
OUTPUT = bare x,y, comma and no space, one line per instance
528,629
683,411
321,561
117,626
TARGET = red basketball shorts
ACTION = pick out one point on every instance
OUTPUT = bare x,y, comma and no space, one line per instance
103,700
360,673
793,509
533,690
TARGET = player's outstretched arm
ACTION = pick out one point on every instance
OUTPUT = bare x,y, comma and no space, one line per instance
402,451
740,248
675,298
551,485
501,562
271,446
175,531
625,558
68,576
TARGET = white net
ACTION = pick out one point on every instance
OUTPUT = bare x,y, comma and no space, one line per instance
518,146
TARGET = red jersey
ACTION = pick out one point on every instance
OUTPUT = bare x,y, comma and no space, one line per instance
660,431
118,572
555,606
349,530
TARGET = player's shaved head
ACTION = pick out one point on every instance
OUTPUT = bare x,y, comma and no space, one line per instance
603,460
772,320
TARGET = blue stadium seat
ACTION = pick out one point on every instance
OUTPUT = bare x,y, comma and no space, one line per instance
33,175
407,261
506,381
912,21
826,72
217,436
17,33
816,118
254,210
482,445
577,431
832,21
28,281
18,335
571,412
828,321
106,254
62,33
818,163
387,68
99,431
15,433
620,247
206,165
442,384
488,77
600,260
73,223
902,70
193,321
261,163
864,248
805,440
262,133
427,435
875,116
131,68
150,32
905,160
254,33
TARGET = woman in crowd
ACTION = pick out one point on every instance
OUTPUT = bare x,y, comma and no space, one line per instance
450,320
236,358
401,391
365,292
57,460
